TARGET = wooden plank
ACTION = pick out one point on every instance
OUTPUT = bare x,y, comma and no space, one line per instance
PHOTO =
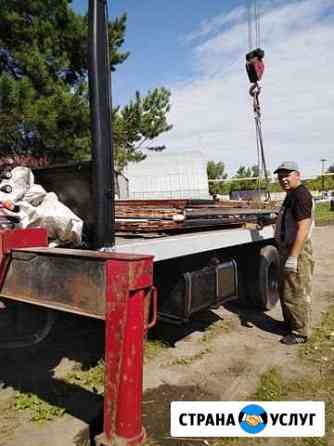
136,212
166,226
179,203
217,212
146,216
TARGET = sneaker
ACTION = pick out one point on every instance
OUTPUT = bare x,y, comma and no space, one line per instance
292,339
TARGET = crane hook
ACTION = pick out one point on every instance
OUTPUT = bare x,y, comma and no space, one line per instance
255,90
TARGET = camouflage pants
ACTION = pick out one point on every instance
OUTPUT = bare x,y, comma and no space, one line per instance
296,291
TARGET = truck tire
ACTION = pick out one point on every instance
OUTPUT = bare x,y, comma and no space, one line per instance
269,271
24,325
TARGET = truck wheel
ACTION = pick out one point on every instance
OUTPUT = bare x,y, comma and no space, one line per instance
24,325
269,270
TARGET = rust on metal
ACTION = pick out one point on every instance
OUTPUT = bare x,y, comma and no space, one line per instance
89,254
72,284
140,275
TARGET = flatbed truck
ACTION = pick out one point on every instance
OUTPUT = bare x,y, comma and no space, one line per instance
116,278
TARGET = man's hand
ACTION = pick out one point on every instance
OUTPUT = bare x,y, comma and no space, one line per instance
291,264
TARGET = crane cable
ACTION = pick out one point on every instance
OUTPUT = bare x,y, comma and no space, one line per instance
257,25
253,15
255,69
262,165
250,30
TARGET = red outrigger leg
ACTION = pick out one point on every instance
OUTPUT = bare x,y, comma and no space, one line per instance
128,282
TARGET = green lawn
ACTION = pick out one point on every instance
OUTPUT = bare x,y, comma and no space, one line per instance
323,214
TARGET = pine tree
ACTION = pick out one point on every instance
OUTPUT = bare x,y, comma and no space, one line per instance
44,108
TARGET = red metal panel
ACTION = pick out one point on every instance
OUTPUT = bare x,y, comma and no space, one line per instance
18,238
23,238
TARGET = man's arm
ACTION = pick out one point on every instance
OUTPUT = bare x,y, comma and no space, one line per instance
303,229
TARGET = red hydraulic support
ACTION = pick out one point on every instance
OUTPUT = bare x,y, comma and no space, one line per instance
129,280
128,285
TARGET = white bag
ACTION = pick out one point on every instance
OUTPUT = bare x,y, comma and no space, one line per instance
41,209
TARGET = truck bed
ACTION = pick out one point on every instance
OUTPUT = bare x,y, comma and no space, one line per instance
173,246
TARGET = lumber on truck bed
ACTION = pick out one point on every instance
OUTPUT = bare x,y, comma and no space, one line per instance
144,216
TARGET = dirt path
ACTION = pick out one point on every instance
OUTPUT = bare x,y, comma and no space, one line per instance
226,367
204,363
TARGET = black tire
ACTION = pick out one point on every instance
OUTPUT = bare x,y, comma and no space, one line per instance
24,325
269,271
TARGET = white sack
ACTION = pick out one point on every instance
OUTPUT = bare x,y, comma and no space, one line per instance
41,209
21,181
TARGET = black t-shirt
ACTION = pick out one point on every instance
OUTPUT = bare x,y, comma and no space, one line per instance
300,202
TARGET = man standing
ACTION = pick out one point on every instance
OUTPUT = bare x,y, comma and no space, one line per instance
293,236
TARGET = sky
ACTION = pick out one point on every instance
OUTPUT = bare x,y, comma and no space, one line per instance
197,48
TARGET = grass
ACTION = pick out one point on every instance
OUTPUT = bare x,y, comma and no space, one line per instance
186,360
320,349
91,379
39,410
323,214
152,348
212,331
209,334
317,356
314,382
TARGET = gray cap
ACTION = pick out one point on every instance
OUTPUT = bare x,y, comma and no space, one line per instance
287,165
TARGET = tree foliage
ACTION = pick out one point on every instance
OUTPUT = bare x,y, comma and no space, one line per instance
44,108
330,169
246,172
138,123
320,183
216,171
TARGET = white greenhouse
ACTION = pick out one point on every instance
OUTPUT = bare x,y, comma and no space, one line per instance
169,175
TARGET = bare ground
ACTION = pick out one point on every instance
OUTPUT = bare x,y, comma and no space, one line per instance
231,361
200,363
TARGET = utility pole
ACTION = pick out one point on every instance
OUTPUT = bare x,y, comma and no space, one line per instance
323,160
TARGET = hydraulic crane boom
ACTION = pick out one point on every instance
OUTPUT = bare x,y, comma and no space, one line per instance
101,124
